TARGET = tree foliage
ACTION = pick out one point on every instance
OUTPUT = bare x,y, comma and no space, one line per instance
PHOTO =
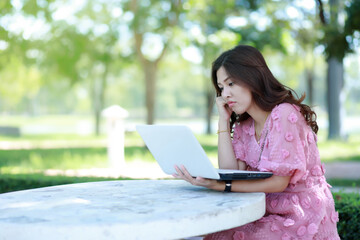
103,47
352,23
338,39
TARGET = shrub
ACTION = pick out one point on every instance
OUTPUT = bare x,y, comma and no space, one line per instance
348,206
14,182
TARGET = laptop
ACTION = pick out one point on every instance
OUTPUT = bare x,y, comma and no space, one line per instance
176,145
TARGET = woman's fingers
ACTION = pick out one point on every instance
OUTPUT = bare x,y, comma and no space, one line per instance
178,172
181,172
220,102
223,108
185,172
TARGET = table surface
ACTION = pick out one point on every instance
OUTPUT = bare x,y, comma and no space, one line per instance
136,209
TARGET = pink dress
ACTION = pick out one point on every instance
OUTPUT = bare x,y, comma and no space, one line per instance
305,209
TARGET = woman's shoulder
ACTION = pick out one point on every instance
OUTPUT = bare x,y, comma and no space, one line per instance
287,114
285,110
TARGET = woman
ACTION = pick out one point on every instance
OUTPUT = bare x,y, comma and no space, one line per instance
264,127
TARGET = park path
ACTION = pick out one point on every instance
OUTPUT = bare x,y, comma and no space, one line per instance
344,170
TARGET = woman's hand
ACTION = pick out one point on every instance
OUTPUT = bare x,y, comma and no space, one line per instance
224,110
183,174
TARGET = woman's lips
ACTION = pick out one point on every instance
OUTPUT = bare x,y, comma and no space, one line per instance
231,104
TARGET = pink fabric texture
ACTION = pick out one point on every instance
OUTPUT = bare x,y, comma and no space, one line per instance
305,209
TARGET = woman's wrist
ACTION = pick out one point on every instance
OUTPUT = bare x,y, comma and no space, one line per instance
223,127
222,131
224,119
219,186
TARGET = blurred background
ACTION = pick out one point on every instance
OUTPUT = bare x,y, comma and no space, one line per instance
63,62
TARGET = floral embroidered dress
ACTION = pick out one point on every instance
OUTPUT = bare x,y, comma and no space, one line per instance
305,209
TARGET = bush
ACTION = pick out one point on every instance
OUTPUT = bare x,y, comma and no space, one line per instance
348,206
16,182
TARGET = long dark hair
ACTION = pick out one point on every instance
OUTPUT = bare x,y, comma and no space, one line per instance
246,64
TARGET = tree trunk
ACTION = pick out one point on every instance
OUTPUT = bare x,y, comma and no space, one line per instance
310,82
335,80
99,99
209,89
150,69
210,104
150,84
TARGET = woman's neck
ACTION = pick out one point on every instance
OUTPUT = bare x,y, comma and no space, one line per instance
259,117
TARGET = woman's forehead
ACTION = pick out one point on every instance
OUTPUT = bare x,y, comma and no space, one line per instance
222,75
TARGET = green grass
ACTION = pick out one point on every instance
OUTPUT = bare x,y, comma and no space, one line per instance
59,157
344,182
34,160
51,137
54,120
56,156
94,153
30,160
329,150
332,151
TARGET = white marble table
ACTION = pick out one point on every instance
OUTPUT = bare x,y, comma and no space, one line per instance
137,209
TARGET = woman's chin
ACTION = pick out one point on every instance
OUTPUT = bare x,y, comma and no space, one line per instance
238,111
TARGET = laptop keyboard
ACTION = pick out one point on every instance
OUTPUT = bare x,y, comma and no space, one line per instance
230,171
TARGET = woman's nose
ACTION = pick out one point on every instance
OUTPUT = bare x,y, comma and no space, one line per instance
225,93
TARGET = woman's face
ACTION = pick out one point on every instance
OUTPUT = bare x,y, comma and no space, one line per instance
237,97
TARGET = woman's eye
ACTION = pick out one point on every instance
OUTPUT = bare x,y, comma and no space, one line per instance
221,89
231,84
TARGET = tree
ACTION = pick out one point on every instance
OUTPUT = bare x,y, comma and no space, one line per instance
101,53
18,82
306,34
336,47
221,25
306,38
153,23
211,38
20,77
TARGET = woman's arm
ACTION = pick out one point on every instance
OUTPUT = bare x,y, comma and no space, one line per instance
268,185
226,155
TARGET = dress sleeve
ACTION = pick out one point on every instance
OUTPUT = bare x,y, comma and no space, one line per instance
285,143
